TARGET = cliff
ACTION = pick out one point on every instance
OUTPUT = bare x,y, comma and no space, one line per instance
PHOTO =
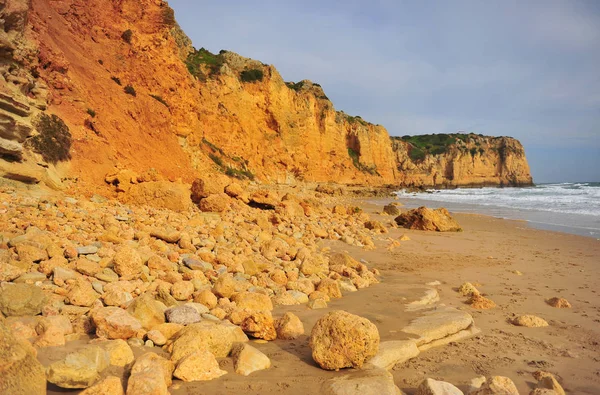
93,86
454,160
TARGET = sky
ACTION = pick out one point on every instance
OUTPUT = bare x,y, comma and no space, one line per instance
525,69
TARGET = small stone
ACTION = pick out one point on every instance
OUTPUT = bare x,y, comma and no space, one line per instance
529,321
87,250
156,337
198,366
248,359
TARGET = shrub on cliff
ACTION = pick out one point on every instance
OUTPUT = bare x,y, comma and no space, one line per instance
201,58
127,35
53,140
252,75
130,90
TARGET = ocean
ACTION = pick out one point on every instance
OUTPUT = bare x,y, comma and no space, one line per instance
565,207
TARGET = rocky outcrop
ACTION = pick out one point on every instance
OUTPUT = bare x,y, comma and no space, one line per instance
455,160
134,94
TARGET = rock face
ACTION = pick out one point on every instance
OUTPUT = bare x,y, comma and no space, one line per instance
424,218
460,160
290,131
20,371
340,340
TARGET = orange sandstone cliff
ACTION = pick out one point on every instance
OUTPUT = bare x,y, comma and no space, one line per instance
90,86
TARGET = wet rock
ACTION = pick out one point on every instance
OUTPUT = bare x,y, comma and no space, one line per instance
424,218
21,299
199,366
340,339
247,359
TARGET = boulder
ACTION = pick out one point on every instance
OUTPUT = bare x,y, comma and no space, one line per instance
209,185
127,262
81,293
258,324
559,303
376,226
330,287
340,339
215,203
160,194
119,352
252,301
150,374
116,323
147,311
20,371
289,327
424,218
183,315
198,366
182,290
547,381
79,369
224,287
529,321
216,337
434,387
391,209
21,299
480,302
247,359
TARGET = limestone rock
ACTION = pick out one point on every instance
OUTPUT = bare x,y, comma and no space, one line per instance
20,371
434,387
199,366
182,290
115,323
437,324
215,203
258,324
82,294
289,327
148,311
252,301
119,352
530,321
363,382
21,299
394,352
340,339
218,338
559,303
183,315
468,289
150,374
79,369
209,185
424,218
480,302
127,262
247,359
547,381
160,194
391,209
111,385
497,385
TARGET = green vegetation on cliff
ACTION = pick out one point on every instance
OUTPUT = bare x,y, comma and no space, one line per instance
434,144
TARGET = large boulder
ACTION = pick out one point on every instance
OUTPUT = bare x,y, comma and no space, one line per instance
209,185
80,369
20,371
340,339
424,218
216,337
21,299
160,194
198,366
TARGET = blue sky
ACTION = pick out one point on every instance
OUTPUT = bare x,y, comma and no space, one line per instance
527,69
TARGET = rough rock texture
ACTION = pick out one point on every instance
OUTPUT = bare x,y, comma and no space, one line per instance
340,339
150,374
20,371
497,385
393,352
472,160
21,299
530,321
115,323
424,218
79,369
559,303
289,327
111,385
69,58
363,382
198,366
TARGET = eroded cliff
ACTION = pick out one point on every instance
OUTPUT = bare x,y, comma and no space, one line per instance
125,89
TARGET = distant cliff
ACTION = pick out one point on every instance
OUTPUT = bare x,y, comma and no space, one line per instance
452,160
93,85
